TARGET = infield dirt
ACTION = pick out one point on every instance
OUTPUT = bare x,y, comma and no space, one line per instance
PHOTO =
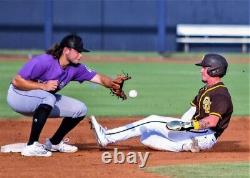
232,146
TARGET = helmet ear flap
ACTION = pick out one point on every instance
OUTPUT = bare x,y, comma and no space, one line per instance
216,72
209,72
212,72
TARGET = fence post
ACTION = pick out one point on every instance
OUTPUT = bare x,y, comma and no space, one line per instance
48,22
161,25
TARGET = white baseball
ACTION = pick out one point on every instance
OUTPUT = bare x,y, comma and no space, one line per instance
132,93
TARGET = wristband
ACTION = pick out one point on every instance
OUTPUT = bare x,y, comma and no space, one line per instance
196,125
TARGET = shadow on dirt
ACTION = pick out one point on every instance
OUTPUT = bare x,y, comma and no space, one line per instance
230,146
93,146
221,146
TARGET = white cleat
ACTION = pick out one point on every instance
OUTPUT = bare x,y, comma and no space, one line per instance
99,132
36,149
61,147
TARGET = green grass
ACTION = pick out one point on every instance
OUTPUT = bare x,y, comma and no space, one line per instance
228,170
164,89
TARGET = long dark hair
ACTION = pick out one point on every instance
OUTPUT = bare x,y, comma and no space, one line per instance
55,51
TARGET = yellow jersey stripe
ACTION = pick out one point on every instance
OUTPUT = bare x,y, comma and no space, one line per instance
204,94
216,114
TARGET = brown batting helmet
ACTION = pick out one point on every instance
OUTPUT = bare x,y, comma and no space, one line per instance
217,65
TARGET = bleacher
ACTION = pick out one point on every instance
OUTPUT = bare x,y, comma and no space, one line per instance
188,34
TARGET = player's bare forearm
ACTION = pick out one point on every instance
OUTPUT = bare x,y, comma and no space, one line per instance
103,80
205,123
208,122
22,84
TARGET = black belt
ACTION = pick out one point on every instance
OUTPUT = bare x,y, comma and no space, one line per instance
198,131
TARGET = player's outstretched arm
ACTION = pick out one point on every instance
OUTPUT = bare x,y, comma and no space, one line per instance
104,81
115,85
207,122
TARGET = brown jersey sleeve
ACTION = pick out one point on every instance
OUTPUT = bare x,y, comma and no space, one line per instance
219,105
194,102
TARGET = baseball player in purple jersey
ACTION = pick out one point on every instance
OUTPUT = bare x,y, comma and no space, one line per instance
33,92
198,129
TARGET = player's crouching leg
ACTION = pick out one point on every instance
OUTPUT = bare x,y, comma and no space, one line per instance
79,110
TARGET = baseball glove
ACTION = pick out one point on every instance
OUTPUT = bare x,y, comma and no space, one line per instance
179,125
119,80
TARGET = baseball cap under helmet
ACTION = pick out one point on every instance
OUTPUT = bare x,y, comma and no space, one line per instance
73,41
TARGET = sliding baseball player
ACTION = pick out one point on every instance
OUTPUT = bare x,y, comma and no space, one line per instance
198,129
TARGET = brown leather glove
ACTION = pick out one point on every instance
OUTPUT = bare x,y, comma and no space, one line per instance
118,91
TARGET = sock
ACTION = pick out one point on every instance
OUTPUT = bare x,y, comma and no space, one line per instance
39,119
67,125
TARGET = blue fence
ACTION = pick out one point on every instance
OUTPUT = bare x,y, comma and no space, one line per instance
134,25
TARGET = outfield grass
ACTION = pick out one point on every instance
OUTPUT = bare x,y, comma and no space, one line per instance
228,170
164,89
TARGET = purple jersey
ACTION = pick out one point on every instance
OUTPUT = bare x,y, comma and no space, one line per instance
43,68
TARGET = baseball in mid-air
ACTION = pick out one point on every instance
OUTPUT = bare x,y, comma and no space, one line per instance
132,93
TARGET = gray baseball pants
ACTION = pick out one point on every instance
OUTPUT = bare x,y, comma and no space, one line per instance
26,102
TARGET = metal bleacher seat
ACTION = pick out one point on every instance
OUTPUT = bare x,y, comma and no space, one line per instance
213,34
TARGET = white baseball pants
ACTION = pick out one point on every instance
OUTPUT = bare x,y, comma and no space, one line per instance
154,134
